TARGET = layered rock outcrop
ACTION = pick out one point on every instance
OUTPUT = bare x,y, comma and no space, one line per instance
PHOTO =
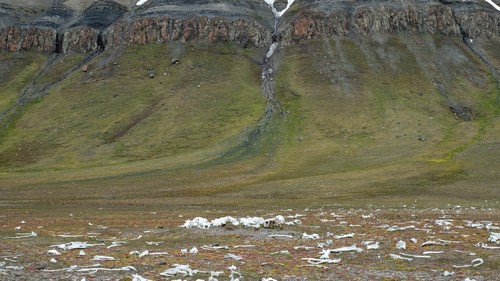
246,22
465,19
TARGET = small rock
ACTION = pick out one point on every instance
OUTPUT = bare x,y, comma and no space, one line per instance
175,61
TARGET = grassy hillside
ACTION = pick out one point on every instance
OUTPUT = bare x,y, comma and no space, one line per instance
388,120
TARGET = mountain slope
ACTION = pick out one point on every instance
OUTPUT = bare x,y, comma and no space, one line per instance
369,109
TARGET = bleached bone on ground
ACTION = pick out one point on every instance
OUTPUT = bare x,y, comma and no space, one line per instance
448,273
103,258
341,236
373,246
179,269
52,260
76,245
137,277
233,273
303,248
116,244
416,256
143,254
432,252
255,222
193,250
352,248
82,253
93,268
398,257
401,245
53,253
494,237
474,263
395,227
69,235
280,236
23,235
210,247
485,246
314,261
313,236
233,256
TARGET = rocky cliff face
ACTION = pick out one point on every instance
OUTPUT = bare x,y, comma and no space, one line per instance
249,23
468,19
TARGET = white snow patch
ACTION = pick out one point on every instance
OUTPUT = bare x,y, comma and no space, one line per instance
141,2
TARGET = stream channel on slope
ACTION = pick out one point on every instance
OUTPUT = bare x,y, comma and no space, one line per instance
268,72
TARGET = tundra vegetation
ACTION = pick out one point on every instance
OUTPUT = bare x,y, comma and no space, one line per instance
379,138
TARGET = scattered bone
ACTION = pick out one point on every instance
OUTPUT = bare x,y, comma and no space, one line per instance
143,254
494,237
432,252
93,268
233,256
447,273
179,269
342,236
103,258
52,260
53,253
116,244
224,221
211,248
314,261
76,245
396,228
69,235
137,277
325,244
153,243
398,257
352,248
23,235
280,236
313,236
373,246
416,256
464,252
233,273
401,245
303,248
193,250
474,263
414,240
82,253
485,246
